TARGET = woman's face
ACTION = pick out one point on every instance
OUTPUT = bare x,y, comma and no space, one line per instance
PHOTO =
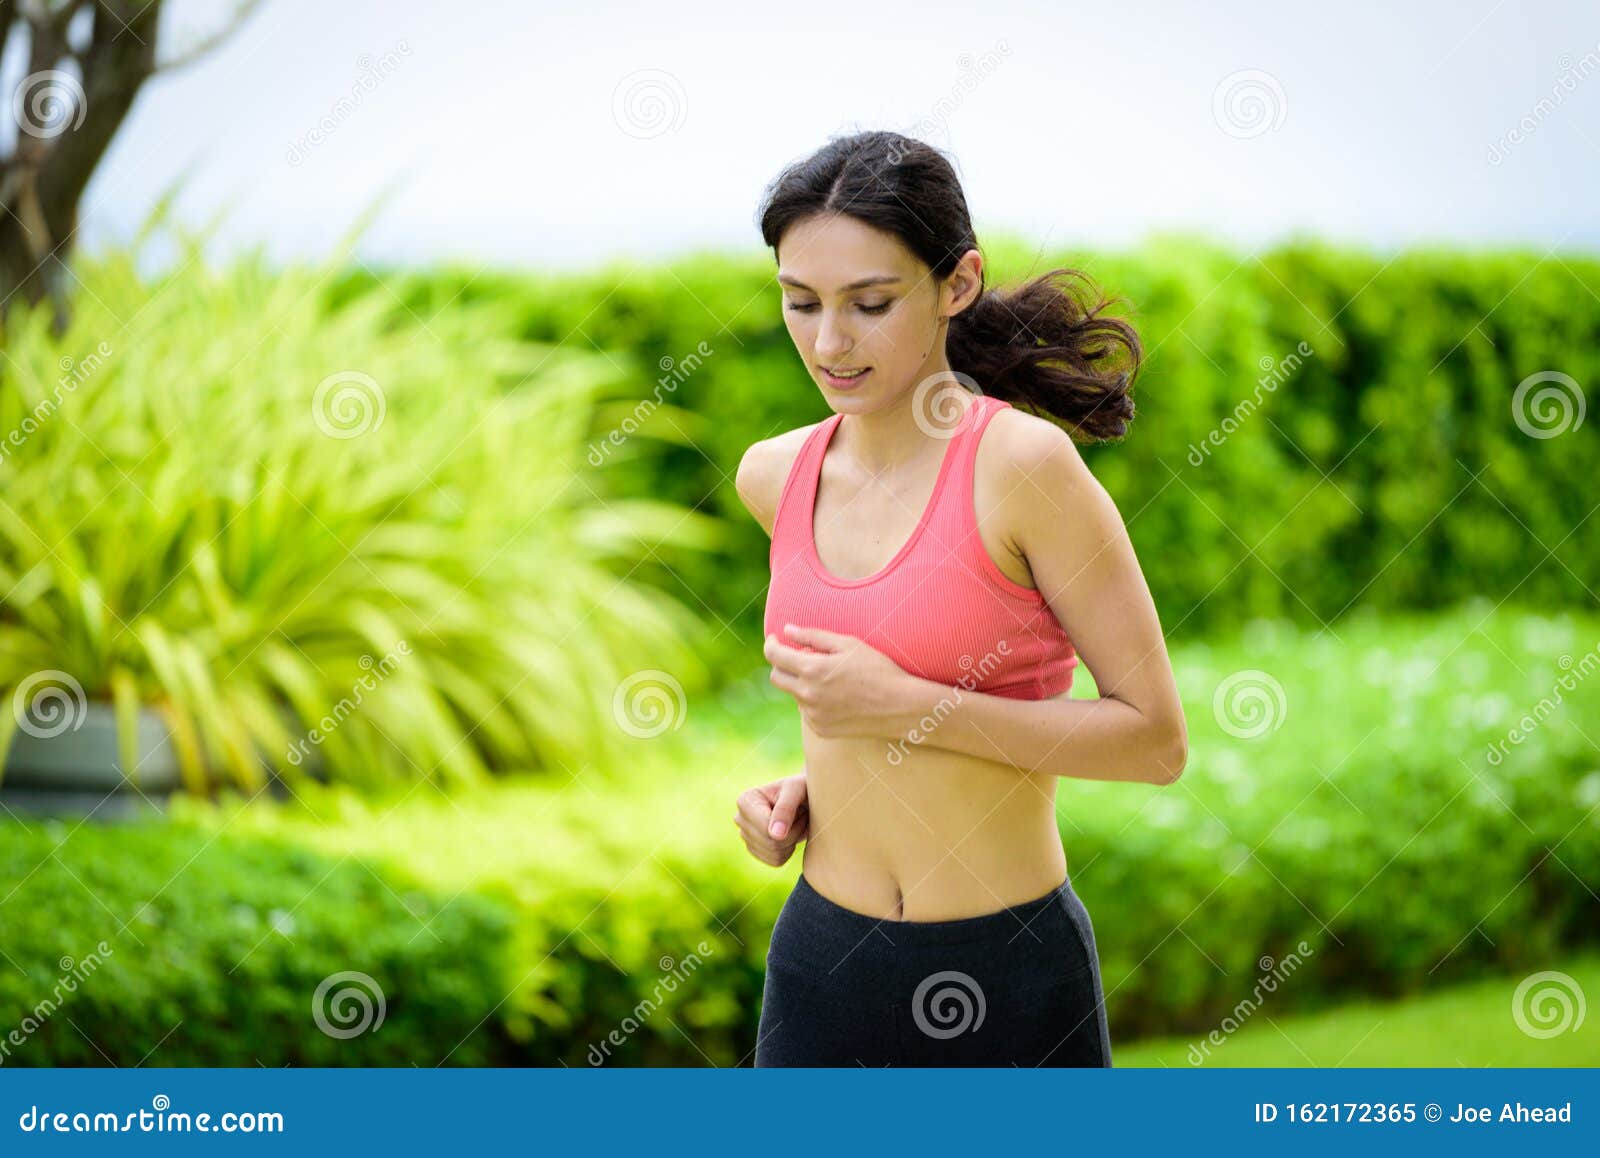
856,299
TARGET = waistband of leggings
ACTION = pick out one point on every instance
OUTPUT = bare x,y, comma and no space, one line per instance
1002,923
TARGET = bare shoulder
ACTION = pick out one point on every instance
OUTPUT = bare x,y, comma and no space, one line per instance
1033,489
763,470
1030,457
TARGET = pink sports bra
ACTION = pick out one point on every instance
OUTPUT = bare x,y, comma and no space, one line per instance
941,608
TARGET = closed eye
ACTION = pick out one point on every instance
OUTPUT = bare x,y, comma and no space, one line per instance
808,307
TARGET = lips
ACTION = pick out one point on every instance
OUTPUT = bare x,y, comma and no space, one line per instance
847,381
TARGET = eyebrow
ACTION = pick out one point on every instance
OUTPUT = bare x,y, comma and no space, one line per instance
859,283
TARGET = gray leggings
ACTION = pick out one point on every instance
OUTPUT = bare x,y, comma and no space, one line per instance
1019,986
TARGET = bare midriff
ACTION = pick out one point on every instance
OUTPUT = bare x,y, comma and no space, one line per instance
917,833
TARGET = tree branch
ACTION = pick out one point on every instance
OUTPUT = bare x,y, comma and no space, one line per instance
193,53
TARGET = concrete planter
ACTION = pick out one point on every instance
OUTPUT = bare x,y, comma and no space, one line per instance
79,769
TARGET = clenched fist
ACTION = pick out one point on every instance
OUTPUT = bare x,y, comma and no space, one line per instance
774,818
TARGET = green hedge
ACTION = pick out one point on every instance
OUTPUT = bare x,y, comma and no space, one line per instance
178,946
1394,821
1403,399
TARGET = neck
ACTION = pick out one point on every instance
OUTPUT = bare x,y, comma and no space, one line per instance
915,425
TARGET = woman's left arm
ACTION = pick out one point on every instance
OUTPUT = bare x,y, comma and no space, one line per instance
1082,561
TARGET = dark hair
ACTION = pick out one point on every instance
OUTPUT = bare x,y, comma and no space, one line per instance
1042,346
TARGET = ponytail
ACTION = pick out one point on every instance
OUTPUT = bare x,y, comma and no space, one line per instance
1052,350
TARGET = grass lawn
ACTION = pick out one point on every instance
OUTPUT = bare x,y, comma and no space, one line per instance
1470,1025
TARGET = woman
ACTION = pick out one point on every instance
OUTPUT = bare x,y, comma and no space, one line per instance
940,558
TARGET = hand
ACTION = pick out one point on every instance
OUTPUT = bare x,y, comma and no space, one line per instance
844,686
774,818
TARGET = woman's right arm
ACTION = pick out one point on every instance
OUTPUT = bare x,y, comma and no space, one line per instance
772,818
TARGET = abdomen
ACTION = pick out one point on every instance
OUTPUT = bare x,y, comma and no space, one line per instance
917,833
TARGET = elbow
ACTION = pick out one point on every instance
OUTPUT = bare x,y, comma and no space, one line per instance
1171,756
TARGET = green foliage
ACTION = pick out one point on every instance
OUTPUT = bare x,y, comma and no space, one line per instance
225,495
180,947
1382,467
638,911
1371,823
1403,818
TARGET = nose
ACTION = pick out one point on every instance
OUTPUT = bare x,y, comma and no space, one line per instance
832,342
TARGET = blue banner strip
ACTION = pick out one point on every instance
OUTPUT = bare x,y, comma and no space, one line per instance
672,1111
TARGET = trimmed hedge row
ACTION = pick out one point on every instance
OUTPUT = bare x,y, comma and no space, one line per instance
1420,806
1416,800
178,946
1316,426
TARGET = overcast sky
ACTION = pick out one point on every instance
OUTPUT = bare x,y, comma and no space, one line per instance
557,135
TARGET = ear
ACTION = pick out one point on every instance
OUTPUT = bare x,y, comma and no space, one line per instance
964,283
